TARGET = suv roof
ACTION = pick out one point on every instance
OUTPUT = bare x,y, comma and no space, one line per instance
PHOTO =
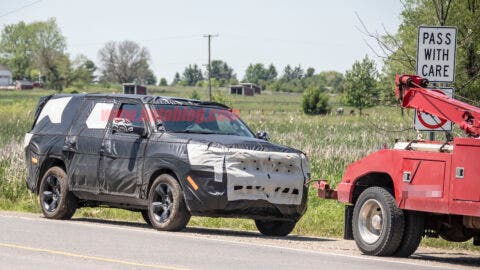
151,99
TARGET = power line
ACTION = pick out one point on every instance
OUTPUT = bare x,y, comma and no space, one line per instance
209,36
286,41
144,40
20,8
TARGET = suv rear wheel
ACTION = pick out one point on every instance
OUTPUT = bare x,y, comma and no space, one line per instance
275,227
167,210
56,201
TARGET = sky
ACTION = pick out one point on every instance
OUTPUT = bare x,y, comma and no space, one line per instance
320,34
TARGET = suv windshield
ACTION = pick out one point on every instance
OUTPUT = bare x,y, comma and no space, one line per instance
203,120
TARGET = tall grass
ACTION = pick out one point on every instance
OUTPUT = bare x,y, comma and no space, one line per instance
330,141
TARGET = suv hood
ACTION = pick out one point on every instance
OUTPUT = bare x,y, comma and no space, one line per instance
235,142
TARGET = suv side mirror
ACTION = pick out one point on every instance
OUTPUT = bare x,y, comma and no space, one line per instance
159,126
263,135
124,125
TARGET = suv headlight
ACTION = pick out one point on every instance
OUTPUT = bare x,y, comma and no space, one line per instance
305,167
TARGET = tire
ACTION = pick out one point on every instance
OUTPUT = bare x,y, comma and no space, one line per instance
412,236
56,201
378,223
275,228
167,210
454,234
146,217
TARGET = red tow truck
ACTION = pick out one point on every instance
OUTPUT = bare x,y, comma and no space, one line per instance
394,197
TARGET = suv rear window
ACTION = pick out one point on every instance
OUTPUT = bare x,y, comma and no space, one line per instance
56,115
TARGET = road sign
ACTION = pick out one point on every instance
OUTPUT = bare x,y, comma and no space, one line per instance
427,122
436,51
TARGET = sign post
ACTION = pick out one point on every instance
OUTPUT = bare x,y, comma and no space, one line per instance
436,53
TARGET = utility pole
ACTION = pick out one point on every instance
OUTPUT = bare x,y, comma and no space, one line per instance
209,36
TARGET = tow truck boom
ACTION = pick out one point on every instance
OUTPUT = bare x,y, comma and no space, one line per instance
412,92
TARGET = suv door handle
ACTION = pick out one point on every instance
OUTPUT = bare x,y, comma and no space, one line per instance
107,154
106,149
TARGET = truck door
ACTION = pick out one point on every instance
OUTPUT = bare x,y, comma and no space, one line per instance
83,143
122,151
465,170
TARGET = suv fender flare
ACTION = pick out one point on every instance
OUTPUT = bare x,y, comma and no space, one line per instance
48,162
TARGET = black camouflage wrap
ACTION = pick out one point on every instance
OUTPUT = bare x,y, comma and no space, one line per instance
117,169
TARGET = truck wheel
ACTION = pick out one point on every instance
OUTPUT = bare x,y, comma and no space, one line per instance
454,234
377,222
167,210
275,228
146,217
412,236
56,201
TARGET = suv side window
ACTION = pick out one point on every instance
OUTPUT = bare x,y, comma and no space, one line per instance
93,118
132,112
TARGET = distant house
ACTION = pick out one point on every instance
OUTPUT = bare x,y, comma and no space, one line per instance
5,76
23,85
134,89
245,89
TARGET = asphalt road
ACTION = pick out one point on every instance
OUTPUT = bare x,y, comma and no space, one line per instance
31,242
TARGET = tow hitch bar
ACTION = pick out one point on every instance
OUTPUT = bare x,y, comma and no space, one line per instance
324,191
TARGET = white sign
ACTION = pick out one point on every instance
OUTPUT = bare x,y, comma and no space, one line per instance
427,122
436,52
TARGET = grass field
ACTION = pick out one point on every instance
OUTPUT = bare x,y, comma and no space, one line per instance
331,142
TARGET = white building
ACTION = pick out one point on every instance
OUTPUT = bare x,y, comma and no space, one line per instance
5,76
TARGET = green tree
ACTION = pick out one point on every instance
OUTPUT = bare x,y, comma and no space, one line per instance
255,73
35,46
150,78
310,72
315,101
222,72
195,95
271,73
220,97
361,85
79,72
176,79
50,46
163,81
333,80
290,74
17,49
402,45
287,73
192,74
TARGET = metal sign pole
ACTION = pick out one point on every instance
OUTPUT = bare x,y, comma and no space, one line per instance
431,134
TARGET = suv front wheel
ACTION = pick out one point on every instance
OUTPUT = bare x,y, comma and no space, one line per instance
167,210
56,201
275,227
